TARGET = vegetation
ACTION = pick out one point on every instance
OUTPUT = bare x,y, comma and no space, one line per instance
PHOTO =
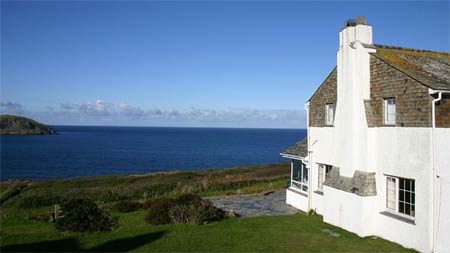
127,206
296,233
186,208
110,189
27,205
83,215
10,124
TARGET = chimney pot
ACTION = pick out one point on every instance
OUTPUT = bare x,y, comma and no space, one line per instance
361,20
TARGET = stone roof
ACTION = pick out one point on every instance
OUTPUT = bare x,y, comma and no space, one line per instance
299,149
429,68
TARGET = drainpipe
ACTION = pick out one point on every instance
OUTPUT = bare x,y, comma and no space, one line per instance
309,157
433,175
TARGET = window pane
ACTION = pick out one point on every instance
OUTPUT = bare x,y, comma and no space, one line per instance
407,197
305,175
402,184
296,171
320,177
390,198
407,209
401,195
401,207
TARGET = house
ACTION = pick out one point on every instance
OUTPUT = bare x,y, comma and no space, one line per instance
376,160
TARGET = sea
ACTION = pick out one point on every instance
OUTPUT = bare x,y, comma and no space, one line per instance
79,151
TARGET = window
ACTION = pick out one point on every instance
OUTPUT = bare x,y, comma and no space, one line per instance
400,195
323,172
389,110
329,114
299,176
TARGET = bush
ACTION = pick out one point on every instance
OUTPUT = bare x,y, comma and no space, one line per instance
83,215
127,206
158,211
110,196
36,201
187,208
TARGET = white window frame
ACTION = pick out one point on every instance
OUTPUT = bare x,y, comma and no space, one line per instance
387,117
329,119
322,174
297,185
396,209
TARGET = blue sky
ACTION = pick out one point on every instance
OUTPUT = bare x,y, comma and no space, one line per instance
211,64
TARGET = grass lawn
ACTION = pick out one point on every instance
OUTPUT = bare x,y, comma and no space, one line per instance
295,233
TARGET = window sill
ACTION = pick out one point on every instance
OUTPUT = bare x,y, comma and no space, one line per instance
328,125
319,192
389,125
399,217
294,190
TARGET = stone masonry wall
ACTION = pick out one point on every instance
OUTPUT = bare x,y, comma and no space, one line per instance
443,112
361,184
325,94
413,108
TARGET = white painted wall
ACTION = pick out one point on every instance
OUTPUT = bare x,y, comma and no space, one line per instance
349,211
403,152
442,214
297,200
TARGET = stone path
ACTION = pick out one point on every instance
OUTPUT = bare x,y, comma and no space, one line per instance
255,204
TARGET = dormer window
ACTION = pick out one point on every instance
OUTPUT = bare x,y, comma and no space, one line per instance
389,111
329,114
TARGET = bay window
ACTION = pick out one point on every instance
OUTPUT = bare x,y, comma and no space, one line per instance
299,177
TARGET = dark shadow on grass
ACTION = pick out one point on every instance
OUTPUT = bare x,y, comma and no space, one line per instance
63,245
127,244
72,245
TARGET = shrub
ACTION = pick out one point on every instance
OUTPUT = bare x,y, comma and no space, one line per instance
110,196
36,201
83,215
186,208
158,210
127,206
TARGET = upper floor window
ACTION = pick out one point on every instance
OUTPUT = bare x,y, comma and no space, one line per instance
389,110
329,114
400,195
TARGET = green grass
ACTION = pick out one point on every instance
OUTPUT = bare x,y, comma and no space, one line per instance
111,188
295,233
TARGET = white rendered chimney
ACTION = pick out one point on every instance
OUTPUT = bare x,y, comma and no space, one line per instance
353,87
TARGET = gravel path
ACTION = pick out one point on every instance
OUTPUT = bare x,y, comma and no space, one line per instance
255,204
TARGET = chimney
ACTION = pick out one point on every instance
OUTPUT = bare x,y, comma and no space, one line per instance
361,20
355,31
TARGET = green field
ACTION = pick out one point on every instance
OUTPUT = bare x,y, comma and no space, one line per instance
294,233
26,206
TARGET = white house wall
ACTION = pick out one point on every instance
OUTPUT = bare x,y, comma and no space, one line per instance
442,214
403,152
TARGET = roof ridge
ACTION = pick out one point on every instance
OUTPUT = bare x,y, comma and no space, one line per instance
410,49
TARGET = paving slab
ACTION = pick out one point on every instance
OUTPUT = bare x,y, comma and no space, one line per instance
255,204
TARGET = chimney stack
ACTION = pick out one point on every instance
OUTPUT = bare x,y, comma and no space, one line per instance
361,20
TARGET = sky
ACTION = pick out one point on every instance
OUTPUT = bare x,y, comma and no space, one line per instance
188,63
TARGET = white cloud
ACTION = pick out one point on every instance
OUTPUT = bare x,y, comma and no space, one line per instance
101,112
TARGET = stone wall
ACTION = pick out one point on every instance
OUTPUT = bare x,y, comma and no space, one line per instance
443,112
325,94
413,107
361,184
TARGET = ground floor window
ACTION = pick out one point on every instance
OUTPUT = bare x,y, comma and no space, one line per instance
299,176
323,171
400,195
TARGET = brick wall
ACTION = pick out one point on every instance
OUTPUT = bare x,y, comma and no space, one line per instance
325,94
413,107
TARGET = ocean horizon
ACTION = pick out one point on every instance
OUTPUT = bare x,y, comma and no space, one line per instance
80,151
